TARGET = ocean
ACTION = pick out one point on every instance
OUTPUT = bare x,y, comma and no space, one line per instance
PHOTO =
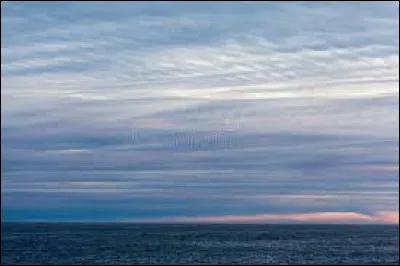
168,244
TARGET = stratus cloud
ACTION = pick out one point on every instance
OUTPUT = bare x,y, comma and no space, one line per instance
388,216
381,168
315,87
323,217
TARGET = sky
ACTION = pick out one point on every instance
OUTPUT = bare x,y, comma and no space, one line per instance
261,112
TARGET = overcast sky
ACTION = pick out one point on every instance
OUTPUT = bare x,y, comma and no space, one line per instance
200,112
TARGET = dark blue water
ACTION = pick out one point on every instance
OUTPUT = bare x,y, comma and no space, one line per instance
198,244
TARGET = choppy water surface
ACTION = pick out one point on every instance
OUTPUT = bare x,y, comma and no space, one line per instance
28,243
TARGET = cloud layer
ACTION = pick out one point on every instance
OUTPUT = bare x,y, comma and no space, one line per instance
318,217
124,111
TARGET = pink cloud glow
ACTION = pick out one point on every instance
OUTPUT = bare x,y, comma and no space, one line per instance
388,217
391,217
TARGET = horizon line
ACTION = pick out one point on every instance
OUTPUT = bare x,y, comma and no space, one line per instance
191,223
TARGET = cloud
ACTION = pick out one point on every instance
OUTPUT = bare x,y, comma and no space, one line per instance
388,217
319,217
284,108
